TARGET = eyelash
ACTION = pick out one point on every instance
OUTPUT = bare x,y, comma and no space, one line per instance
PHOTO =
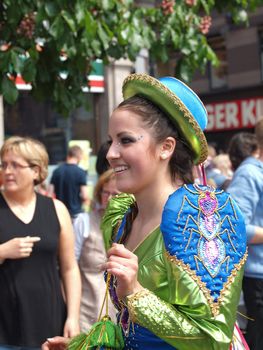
123,141
126,140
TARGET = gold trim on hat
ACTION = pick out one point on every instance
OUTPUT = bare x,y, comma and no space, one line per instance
156,84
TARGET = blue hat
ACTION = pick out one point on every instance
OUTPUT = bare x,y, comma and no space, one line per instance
182,106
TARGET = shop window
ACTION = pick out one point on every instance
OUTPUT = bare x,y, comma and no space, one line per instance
218,75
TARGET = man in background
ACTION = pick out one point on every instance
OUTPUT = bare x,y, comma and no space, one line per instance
69,184
246,188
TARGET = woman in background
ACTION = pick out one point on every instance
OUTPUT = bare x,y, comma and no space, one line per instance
36,250
93,255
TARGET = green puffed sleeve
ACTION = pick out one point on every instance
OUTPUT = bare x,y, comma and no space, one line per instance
116,209
184,317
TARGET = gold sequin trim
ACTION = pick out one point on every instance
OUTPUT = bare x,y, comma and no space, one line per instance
130,299
133,298
185,338
214,306
157,84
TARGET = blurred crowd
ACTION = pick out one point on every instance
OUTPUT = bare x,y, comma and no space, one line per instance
220,167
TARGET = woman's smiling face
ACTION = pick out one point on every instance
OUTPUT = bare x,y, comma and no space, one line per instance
133,151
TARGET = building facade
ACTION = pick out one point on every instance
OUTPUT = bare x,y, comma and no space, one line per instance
233,92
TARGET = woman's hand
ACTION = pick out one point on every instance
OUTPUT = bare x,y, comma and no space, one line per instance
123,264
56,343
71,328
18,248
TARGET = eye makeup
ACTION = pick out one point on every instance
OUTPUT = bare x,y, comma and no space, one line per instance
125,140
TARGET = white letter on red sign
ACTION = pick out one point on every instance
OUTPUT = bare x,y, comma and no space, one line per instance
248,116
231,115
219,116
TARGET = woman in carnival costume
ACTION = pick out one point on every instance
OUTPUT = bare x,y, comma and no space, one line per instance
176,250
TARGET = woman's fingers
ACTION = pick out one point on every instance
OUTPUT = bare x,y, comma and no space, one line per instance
30,240
56,343
119,250
33,239
27,244
123,264
120,258
128,266
27,250
116,265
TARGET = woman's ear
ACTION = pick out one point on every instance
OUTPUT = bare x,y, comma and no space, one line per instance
167,148
36,170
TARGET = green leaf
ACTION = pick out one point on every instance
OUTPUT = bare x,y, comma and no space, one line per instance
17,62
90,25
205,6
107,5
160,52
71,50
184,71
9,90
165,35
69,20
29,71
103,36
123,35
175,38
5,58
13,13
186,50
33,53
136,42
115,51
57,28
96,46
80,12
51,8
193,43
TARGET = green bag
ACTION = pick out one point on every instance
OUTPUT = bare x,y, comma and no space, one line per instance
103,335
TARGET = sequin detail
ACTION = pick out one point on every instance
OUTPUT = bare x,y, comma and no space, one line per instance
204,230
214,304
211,249
149,311
212,254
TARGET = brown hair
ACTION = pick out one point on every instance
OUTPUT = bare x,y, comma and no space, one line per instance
241,146
103,179
75,152
181,162
33,151
259,132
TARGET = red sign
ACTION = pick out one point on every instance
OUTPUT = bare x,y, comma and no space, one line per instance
237,114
